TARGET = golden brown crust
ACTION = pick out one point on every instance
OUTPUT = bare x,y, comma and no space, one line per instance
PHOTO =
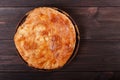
46,39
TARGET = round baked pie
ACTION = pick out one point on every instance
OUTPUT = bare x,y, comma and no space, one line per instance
46,39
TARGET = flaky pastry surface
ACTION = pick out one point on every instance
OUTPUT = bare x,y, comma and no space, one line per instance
46,39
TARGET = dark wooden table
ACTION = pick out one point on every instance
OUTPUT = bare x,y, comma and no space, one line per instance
99,25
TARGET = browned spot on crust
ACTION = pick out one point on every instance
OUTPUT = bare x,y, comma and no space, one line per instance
68,47
59,19
55,43
29,45
44,32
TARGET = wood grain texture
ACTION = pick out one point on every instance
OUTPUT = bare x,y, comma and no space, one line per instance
100,41
58,76
49,76
94,23
24,3
99,25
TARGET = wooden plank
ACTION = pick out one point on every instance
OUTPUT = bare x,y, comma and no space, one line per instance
93,22
92,56
35,3
116,76
59,76
49,76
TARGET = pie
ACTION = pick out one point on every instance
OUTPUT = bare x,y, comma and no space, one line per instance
46,39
